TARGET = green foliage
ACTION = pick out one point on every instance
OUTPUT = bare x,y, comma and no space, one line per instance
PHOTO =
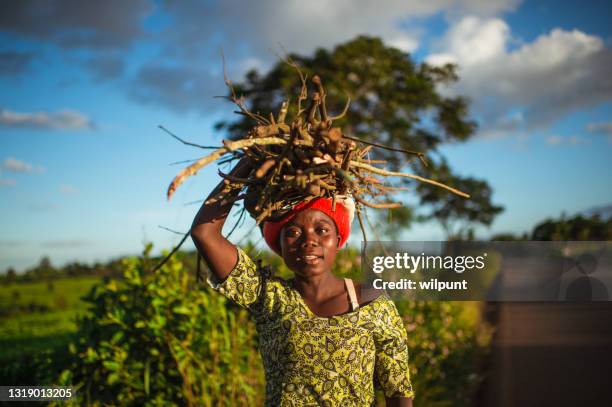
157,339
577,228
448,346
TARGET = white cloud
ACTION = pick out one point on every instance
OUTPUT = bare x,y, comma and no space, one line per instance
322,23
66,119
404,42
473,41
253,33
555,140
558,72
15,165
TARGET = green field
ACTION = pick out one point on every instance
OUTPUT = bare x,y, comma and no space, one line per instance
37,319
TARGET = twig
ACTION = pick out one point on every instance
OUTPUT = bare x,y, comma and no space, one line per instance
344,111
403,174
198,269
183,141
239,101
242,212
171,253
170,230
371,143
383,205
199,201
230,146
185,161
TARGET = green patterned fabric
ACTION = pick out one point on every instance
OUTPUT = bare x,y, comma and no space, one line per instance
311,360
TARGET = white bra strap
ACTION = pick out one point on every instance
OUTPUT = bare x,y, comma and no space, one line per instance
350,287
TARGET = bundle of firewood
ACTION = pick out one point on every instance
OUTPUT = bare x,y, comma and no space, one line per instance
301,159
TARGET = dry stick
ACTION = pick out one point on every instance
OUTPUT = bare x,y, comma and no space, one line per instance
239,243
382,205
316,100
245,112
170,230
361,224
322,108
242,212
198,270
376,161
230,159
183,141
199,201
376,235
239,101
277,168
282,114
304,88
387,188
403,174
363,231
371,143
344,111
171,253
229,147
186,161
376,183
236,179
364,151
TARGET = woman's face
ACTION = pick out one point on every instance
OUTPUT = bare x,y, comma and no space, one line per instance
309,243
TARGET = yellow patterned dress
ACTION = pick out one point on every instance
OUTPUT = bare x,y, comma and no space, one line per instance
311,360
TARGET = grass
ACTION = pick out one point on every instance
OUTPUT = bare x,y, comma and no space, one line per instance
37,318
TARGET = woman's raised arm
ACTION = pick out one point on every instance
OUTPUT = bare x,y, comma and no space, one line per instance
218,252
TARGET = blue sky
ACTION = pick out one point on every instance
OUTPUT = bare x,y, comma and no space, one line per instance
84,169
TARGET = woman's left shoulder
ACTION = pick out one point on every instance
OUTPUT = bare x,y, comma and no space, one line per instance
369,294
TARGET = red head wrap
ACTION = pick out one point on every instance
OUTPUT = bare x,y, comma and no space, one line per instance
342,217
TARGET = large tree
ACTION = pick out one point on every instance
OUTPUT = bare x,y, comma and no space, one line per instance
394,101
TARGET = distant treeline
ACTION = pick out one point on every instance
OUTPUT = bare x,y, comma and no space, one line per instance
577,228
46,271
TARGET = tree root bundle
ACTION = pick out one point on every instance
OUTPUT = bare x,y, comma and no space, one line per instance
303,159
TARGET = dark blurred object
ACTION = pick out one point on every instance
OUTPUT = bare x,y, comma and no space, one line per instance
549,354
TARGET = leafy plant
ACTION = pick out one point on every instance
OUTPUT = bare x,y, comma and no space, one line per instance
156,339
448,347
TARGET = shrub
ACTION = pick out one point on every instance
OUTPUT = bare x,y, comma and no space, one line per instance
155,339
447,351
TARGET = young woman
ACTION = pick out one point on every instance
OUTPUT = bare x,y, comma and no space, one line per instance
323,341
